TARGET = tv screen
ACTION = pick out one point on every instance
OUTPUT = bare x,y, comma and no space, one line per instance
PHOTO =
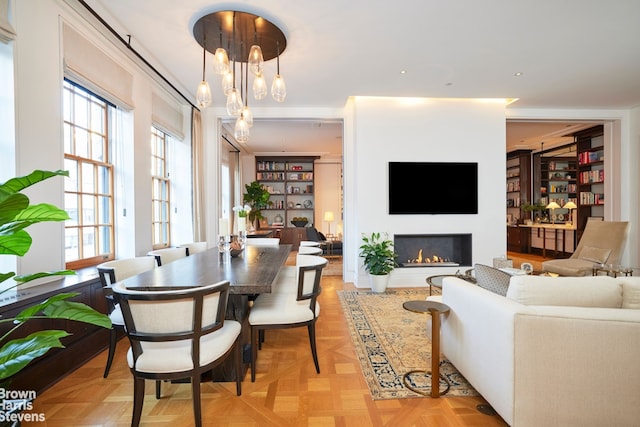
436,188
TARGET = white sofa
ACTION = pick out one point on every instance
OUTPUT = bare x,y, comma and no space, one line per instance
559,351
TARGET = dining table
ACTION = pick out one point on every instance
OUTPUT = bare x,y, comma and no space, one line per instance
251,272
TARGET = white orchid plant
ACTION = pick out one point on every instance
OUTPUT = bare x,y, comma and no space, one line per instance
242,211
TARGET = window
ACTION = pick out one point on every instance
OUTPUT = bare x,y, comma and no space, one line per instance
161,200
89,233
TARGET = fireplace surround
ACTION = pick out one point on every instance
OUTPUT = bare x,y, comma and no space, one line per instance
433,250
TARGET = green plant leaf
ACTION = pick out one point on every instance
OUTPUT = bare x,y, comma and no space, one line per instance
19,183
11,204
29,277
6,276
57,307
17,243
18,353
34,214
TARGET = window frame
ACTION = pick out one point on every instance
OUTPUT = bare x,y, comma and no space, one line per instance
157,182
80,192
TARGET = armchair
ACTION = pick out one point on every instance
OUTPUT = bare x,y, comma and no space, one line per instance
602,242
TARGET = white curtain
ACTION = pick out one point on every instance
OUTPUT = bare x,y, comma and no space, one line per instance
197,159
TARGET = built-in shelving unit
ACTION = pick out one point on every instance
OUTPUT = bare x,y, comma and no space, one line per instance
518,193
290,181
591,174
558,184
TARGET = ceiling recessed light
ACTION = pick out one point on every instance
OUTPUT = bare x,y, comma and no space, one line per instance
403,71
448,84
518,74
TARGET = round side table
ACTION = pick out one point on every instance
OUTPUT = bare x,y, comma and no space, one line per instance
434,308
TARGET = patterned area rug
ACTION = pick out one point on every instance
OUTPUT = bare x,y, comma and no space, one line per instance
390,341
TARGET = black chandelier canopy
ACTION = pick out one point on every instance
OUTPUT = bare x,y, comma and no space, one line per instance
236,32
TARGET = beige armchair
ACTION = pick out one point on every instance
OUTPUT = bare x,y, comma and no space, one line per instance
602,242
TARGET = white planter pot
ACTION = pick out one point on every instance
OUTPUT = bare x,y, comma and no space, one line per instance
379,282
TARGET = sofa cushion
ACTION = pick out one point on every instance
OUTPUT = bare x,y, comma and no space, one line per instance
630,292
591,291
598,255
492,279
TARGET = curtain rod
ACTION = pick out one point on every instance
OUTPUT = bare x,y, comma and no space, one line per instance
128,45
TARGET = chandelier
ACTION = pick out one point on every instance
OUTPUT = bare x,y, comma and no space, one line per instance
244,41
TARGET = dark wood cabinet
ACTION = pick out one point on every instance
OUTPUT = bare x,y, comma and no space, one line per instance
84,343
518,239
293,236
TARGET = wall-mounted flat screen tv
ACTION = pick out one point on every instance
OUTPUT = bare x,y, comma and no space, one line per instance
435,188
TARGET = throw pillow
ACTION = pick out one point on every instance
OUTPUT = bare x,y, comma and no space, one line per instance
492,279
598,255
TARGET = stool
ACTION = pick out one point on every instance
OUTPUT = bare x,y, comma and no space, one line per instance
435,308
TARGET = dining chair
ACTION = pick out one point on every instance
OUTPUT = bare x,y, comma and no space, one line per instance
167,255
262,241
310,250
110,272
282,310
309,243
177,334
195,247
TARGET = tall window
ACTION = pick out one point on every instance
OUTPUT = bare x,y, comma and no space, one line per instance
89,234
161,188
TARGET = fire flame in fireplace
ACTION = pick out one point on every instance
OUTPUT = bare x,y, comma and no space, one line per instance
428,260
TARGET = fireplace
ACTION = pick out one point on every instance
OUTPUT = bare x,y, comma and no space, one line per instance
433,250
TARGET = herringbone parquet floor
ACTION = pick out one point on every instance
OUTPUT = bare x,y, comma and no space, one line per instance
287,391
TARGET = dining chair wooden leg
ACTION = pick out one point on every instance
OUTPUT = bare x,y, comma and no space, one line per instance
138,400
113,335
195,391
254,351
312,341
158,389
239,367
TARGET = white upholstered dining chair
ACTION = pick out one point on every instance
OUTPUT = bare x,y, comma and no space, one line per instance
111,272
310,250
178,334
262,241
280,310
194,247
167,255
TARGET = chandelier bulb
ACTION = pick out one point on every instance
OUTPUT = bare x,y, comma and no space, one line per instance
241,130
227,82
234,102
221,61
278,88
259,87
256,60
248,115
203,95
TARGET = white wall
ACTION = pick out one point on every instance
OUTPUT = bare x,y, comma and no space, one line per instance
385,129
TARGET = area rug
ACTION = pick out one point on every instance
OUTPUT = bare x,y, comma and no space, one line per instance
390,341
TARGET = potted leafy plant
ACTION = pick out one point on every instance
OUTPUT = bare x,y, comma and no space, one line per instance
16,214
257,197
379,259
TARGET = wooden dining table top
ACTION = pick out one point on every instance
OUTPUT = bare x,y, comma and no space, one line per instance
251,272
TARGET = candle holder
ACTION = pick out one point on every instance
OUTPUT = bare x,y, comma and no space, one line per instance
224,247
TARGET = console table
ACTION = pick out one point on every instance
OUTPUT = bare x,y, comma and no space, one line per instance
555,228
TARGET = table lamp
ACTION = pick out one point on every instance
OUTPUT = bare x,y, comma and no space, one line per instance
328,216
553,206
570,205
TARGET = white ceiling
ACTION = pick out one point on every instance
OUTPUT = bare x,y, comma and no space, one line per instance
577,54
